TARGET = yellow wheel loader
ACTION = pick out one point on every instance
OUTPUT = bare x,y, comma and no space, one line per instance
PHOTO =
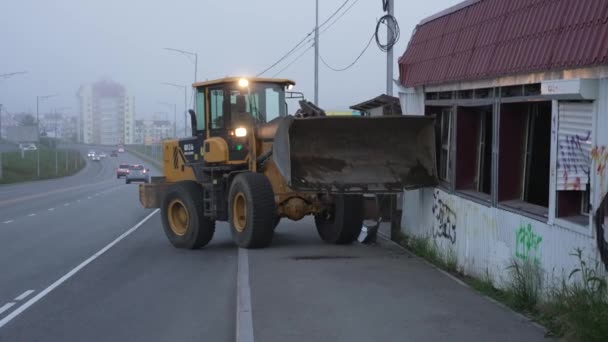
251,164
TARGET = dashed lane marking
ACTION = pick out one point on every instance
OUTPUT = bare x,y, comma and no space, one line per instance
24,295
6,307
71,273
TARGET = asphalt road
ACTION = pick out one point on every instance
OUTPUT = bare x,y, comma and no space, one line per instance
80,260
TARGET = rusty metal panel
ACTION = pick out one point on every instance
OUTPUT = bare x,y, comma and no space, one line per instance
574,145
521,36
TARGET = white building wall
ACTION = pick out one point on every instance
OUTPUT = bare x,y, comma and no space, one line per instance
411,100
86,114
486,240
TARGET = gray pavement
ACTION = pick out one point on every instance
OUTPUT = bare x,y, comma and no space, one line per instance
142,289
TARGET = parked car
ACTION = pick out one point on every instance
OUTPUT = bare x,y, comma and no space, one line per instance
28,147
137,173
103,155
91,154
122,170
114,153
121,150
95,157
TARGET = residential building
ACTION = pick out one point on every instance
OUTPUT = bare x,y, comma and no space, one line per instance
152,131
106,114
519,90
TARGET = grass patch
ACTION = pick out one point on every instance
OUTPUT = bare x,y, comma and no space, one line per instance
53,163
427,249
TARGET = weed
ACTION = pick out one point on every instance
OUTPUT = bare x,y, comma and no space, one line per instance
578,309
524,289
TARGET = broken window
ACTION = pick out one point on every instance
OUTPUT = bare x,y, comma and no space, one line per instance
443,134
524,156
474,149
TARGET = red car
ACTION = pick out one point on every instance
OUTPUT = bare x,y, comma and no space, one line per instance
122,170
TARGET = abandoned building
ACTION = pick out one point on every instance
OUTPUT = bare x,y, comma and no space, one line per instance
519,90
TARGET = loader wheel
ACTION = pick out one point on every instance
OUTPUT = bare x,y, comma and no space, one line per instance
342,223
252,212
182,216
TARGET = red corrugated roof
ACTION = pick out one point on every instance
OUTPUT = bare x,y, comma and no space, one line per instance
490,38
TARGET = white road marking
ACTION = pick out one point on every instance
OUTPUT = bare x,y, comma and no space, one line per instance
6,307
89,197
71,273
51,209
8,221
66,205
24,295
244,318
32,214
78,201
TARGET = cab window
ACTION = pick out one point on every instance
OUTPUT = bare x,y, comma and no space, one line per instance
216,102
200,110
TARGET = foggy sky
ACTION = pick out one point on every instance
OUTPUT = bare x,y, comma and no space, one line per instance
65,43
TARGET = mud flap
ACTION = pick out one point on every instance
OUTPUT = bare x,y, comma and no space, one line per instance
356,154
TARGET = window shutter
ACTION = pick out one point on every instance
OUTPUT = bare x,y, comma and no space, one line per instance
574,143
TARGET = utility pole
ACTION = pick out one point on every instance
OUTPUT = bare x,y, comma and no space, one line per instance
317,53
390,32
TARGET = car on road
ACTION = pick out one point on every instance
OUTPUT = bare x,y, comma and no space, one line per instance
28,147
122,170
91,153
137,173
103,155
114,153
96,157
121,150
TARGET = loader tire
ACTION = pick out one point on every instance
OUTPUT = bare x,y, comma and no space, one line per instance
342,223
251,210
182,216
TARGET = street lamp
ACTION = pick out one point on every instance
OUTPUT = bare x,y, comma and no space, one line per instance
38,99
189,54
174,116
185,104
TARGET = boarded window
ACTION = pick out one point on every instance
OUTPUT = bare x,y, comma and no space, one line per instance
574,144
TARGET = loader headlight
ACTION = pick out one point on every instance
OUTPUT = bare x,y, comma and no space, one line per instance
289,87
240,132
243,83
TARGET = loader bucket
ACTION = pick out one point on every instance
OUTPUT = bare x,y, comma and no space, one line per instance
356,154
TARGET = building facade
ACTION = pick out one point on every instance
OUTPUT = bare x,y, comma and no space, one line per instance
519,90
106,114
152,131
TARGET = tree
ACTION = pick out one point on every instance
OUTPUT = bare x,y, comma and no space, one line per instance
27,120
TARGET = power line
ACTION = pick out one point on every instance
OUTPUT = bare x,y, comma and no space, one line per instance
299,44
356,59
295,60
339,17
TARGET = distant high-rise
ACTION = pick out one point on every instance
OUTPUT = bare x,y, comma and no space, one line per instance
106,114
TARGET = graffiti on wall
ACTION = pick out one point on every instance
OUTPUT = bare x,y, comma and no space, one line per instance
599,154
445,219
573,159
527,243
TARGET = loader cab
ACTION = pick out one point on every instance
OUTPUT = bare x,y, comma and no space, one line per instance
232,112
224,105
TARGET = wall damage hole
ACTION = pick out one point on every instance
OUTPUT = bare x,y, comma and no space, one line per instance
323,257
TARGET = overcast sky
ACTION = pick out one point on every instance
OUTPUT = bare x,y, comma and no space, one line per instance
65,43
